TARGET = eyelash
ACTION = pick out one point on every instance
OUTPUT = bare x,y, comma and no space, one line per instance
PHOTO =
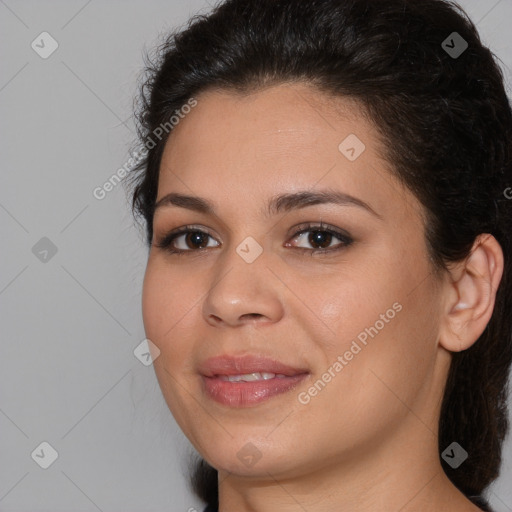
166,241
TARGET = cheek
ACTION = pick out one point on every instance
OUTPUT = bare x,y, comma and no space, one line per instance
165,296
347,303
168,301
387,341
384,320
168,323
154,303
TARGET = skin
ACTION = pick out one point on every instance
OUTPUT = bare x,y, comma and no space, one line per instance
368,440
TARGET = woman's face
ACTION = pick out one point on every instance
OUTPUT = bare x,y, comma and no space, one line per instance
354,324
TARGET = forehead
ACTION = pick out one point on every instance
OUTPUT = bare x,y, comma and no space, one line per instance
305,118
279,139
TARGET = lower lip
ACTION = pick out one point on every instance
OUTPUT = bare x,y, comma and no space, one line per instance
245,394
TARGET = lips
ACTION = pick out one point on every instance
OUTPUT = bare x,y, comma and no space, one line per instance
240,365
244,381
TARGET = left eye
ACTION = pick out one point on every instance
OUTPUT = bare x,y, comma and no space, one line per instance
321,239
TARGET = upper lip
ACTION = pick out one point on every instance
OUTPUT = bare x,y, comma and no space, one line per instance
240,365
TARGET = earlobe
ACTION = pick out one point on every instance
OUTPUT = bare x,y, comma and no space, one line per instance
470,294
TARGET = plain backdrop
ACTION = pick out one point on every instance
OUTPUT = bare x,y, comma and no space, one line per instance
72,265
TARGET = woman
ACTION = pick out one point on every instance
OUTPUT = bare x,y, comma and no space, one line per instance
328,288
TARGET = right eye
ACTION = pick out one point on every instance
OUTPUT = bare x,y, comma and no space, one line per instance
190,238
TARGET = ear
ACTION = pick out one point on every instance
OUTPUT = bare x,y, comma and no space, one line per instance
470,294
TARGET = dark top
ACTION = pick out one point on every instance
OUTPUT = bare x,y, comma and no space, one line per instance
477,500
481,502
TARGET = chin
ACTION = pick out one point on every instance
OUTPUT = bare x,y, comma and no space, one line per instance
252,457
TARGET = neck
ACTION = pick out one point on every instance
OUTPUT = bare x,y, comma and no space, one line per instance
403,475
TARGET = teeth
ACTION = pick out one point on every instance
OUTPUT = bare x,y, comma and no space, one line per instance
249,377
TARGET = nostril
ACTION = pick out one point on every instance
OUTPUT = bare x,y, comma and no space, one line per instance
252,315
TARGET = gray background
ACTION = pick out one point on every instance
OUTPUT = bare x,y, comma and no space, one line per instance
70,323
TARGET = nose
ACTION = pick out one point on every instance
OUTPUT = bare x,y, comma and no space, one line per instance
243,293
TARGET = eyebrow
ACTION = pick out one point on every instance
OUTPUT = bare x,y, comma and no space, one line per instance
276,205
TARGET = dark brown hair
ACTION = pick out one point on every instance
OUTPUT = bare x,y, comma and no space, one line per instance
444,119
